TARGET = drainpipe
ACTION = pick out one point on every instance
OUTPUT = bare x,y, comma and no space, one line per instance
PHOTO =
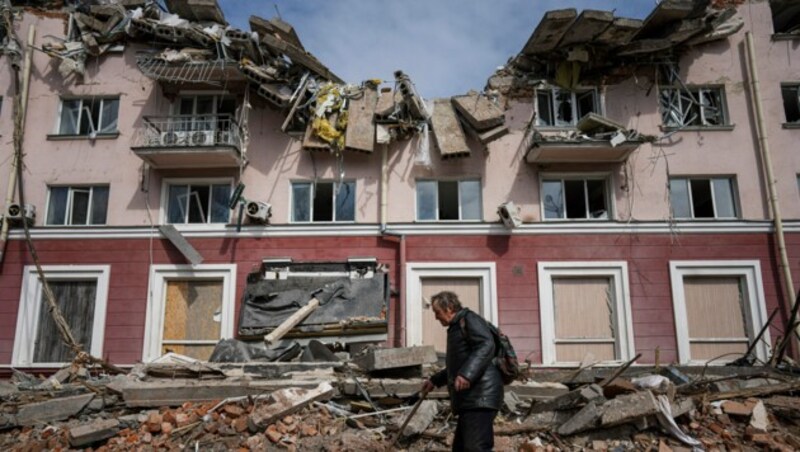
12,176
384,184
770,182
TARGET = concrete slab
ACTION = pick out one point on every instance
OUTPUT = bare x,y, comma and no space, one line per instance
448,135
571,399
620,32
392,358
426,413
628,408
360,133
53,409
179,241
585,419
589,25
479,111
550,30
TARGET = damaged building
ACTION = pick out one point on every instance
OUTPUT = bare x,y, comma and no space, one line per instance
620,187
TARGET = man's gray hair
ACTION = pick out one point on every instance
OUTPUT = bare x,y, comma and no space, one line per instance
446,301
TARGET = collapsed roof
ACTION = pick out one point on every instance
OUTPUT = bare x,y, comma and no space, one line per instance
595,47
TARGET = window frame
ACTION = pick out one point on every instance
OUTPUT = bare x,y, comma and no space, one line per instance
796,85
696,90
68,207
734,193
30,305
460,218
81,110
606,178
755,312
312,190
160,274
624,345
553,92
164,210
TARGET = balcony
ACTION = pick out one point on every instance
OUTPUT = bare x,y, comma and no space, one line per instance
189,141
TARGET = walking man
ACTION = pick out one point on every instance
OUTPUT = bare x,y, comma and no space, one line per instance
473,380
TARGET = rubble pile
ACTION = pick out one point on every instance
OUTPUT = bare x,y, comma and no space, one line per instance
360,405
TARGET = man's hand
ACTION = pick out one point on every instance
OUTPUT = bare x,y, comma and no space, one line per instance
427,386
461,383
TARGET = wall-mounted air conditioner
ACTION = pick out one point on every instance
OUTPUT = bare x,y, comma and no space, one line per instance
173,138
258,211
17,213
509,213
201,137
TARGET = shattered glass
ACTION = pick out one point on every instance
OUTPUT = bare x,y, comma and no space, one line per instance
692,107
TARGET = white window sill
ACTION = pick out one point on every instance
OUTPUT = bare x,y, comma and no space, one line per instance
785,36
99,136
725,128
791,125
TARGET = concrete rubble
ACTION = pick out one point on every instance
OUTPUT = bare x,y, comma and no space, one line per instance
341,405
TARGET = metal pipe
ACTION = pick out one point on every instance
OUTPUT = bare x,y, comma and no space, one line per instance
12,176
770,182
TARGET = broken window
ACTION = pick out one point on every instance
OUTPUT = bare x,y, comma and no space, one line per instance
77,206
702,197
695,106
575,198
323,201
785,16
81,293
89,116
564,108
198,203
791,101
449,200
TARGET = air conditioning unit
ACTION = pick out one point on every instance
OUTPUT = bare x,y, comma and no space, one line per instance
201,138
16,213
173,138
258,211
509,213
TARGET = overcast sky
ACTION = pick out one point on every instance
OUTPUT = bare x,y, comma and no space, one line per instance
447,47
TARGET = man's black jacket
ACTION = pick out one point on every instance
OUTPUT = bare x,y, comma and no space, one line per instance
472,357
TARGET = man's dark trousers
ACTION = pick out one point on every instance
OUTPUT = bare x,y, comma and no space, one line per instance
474,431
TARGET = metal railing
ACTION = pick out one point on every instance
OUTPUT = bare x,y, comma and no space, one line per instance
187,131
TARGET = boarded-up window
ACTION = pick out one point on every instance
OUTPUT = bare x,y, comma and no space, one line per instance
715,314
76,300
469,293
192,318
584,318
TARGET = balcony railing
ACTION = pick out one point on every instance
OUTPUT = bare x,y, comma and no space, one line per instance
184,141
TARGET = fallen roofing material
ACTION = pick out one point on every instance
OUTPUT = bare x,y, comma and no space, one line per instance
448,135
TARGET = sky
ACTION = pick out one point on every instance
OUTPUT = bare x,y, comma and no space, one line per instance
447,47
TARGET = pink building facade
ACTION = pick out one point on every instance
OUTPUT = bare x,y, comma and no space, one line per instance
670,252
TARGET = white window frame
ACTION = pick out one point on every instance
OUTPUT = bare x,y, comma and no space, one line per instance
313,185
97,127
163,211
734,193
574,93
606,178
160,274
618,272
416,271
31,303
436,201
756,311
68,207
796,87
696,91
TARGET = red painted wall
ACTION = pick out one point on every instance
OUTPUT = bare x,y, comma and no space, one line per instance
516,258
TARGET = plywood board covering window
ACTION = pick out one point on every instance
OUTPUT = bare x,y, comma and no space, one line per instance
474,282
719,309
76,300
469,293
192,314
716,321
585,312
584,318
